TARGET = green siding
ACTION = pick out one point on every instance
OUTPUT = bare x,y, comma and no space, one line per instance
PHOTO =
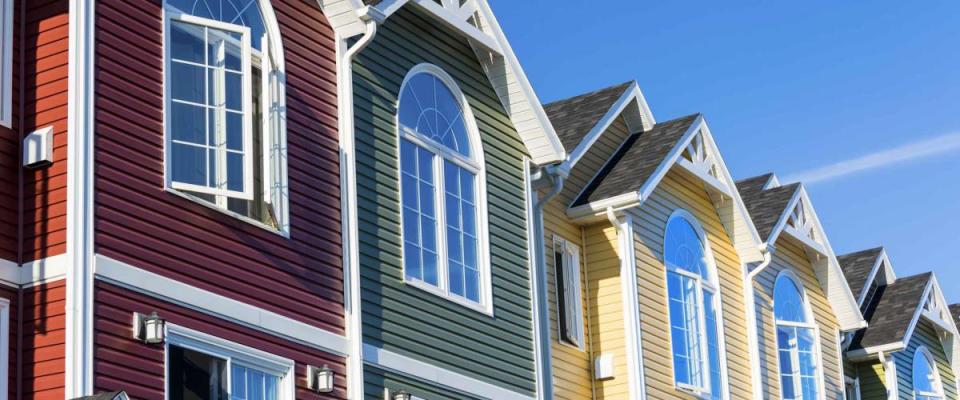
375,380
871,381
408,320
924,335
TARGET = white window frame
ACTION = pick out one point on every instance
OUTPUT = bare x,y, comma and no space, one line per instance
4,346
213,346
274,133
855,383
572,277
474,165
939,393
712,285
6,63
810,316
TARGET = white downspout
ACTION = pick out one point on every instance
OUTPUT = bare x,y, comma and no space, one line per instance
752,335
348,189
541,320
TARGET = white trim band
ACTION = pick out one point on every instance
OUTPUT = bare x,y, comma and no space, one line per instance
35,272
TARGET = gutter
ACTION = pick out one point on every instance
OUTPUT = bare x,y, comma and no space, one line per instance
750,306
549,176
348,190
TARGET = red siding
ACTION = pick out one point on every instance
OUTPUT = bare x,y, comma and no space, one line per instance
45,104
139,223
121,362
12,295
44,349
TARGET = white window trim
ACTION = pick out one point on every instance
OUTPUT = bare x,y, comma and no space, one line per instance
221,348
712,285
922,351
278,198
6,63
571,251
475,165
856,386
808,311
4,346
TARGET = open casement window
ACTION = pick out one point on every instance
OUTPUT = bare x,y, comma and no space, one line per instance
566,258
443,201
6,63
694,303
225,136
926,378
851,388
798,344
202,367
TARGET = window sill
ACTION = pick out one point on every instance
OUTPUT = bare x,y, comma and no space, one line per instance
565,343
693,392
279,232
478,307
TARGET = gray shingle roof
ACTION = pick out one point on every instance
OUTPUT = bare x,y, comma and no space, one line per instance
636,161
574,117
891,312
765,206
857,266
955,311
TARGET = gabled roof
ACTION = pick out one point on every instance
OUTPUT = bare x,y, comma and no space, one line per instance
475,21
637,161
765,206
574,117
892,312
858,266
955,311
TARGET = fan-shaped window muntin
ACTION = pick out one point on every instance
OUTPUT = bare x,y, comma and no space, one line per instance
798,349
926,378
694,308
441,184
224,107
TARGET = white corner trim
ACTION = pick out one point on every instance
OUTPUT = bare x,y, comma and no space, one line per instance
4,345
434,375
631,304
6,64
219,306
542,346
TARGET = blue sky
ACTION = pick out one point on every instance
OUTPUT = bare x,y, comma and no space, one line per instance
863,97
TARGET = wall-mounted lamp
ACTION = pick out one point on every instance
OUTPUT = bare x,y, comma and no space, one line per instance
320,379
148,328
402,395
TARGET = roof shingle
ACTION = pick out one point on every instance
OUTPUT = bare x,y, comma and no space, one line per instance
636,161
890,313
574,117
857,266
765,206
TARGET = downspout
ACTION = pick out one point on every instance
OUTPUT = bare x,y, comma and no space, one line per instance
541,321
751,306
348,191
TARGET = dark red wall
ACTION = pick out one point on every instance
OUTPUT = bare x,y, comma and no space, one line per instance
44,344
121,362
137,222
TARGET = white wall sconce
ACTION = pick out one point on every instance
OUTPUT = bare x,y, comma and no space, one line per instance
320,379
149,329
402,395
38,148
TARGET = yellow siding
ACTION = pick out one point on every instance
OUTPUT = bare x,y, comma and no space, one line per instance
606,308
679,191
789,255
572,367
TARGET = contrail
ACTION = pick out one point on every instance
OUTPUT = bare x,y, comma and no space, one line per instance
911,151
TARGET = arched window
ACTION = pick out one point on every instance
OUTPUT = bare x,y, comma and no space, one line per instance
796,341
224,107
694,301
926,378
441,184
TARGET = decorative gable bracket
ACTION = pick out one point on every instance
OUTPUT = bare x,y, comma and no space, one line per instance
699,156
936,311
465,16
802,226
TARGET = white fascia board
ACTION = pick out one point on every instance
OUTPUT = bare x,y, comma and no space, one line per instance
436,376
182,294
619,107
598,209
874,352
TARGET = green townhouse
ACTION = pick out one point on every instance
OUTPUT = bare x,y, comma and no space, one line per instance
443,142
910,349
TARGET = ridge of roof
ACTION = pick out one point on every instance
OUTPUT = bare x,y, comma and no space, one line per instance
891,312
857,267
574,117
636,161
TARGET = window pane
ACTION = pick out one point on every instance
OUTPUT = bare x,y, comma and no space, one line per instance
787,301
231,57
713,346
428,107
187,82
408,157
412,264
189,164
251,384
456,279
195,376
234,131
682,247
235,172
685,330
430,268
188,123
472,284
186,42
233,87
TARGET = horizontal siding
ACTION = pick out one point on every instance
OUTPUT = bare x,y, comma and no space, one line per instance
139,223
872,386
411,321
45,104
375,381
605,296
680,191
44,341
121,362
10,155
790,256
924,335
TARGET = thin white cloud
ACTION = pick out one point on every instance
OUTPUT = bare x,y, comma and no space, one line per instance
910,151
